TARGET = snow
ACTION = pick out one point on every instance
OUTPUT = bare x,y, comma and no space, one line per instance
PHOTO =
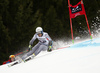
83,57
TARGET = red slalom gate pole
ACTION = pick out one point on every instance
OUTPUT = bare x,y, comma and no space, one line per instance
70,22
87,21
71,30
88,26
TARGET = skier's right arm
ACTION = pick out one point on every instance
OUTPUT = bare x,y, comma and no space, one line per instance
31,41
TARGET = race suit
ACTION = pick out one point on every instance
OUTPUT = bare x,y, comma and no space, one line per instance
6,62
42,45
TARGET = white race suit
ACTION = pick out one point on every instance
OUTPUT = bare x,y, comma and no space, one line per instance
42,45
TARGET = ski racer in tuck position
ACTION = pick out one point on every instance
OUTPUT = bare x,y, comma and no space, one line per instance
45,43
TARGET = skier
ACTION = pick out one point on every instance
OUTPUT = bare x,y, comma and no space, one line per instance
11,59
45,43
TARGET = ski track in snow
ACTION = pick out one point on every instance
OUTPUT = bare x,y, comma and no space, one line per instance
82,57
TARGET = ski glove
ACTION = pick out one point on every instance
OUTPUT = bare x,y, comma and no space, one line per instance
29,48
50,46
49,49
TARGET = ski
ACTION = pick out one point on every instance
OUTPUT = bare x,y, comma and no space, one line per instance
29,58
13,63
18,60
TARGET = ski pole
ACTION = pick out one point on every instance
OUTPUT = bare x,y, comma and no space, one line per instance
21,53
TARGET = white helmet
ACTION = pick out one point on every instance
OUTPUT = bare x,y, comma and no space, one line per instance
39,30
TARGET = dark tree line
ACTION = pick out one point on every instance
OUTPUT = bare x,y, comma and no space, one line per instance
19,18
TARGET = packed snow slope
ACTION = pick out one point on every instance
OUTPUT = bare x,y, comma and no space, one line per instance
82,57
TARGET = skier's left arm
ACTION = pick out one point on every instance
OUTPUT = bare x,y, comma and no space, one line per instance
50,42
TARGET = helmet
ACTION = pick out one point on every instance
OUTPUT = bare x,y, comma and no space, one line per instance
11,56
39,30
